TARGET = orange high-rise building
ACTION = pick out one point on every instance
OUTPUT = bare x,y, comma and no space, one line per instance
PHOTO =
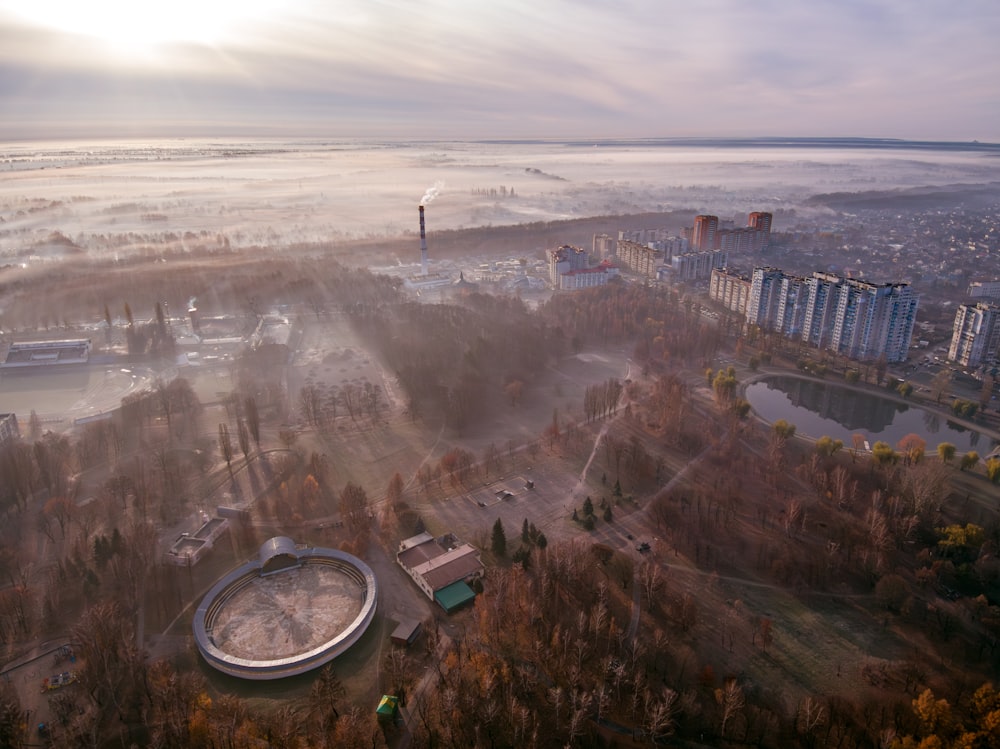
705,229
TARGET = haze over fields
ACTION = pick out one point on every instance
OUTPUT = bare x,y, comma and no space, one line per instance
118,196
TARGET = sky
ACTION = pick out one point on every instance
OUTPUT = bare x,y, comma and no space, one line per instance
511,69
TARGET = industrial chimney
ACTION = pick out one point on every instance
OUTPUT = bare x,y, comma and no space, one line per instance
423,243
193,314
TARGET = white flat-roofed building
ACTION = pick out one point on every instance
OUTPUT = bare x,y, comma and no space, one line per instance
47,353
586,278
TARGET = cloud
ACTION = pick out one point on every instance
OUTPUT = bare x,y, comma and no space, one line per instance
558,68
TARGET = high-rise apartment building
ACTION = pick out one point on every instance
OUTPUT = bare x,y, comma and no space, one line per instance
737,241
696,266
639,258
703,237
793,293
762,307
858,319
730,289
874,320
564,259
605,246
820,309
984,290
975,336
8,428
760,222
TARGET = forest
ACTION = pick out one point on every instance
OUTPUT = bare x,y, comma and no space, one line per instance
792,592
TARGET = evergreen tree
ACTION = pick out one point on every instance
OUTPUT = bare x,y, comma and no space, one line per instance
499,543
525,533
588,507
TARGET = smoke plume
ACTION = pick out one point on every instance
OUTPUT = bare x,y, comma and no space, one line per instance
432,192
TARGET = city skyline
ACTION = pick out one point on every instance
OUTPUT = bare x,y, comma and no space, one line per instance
881,68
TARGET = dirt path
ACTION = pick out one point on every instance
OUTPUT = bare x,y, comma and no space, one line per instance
633,627
622,400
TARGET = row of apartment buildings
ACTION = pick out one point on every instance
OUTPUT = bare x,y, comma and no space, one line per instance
858,319
656,254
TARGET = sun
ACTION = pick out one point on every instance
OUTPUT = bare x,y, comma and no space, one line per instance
133,25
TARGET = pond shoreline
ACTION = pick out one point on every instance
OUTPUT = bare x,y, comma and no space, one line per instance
945,415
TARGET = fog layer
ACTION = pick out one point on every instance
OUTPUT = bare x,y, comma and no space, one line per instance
118,197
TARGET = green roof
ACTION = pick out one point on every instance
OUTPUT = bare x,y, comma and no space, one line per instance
452,596
387,706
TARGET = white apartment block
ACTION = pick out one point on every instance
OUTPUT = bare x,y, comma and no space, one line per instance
564,259
984,290
975,336
697,266
586,278
639,258
730,289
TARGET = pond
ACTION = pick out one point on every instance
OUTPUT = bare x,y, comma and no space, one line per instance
820,409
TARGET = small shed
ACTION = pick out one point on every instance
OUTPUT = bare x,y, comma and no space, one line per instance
406,632
388,708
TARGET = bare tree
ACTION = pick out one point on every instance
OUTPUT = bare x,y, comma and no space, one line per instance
113,668
731,702
253,418
354,507
651,580
226,446
660,715
811,715
321,705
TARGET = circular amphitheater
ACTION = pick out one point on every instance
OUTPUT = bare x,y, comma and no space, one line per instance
288,611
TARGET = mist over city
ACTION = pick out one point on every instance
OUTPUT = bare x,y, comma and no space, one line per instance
525,375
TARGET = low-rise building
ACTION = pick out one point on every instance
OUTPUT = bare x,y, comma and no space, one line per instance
585,278
441,567
47,353
189,549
